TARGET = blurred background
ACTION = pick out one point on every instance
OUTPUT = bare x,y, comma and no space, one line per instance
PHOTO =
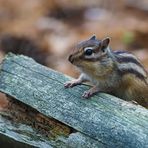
46,30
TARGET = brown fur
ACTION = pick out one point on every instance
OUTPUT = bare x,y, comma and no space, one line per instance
133,88
103,72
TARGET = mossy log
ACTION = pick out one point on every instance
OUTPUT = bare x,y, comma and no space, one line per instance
38,100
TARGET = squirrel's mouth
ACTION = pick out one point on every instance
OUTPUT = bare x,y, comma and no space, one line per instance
71,59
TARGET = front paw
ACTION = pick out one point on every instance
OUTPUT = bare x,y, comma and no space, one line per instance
70,84
91,92
87,94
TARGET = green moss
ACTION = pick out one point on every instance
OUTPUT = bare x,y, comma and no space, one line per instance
128,38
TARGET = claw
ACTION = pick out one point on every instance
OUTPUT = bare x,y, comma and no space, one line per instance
90,92
68,85
73,83
87,94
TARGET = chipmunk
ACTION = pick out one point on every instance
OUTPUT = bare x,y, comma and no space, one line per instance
118,73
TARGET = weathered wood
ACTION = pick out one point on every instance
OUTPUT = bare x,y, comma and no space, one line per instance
20,136
25,130
22,126
107,120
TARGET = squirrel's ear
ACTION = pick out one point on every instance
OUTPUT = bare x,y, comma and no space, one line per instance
93,37
104,43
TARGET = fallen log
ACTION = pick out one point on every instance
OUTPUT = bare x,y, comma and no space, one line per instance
37,92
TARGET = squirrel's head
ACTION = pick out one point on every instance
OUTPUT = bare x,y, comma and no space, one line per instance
89,51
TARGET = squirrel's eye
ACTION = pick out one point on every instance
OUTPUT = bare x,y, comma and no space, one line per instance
88,52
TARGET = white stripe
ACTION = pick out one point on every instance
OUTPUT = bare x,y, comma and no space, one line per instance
95,55
128,55
88,48
126,66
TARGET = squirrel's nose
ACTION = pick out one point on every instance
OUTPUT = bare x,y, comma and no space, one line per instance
70,58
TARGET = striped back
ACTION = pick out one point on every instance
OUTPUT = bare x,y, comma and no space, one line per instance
128,63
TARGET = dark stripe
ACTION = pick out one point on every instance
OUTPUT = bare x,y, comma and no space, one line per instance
128,60
88,43
119,52
121,59
131,71
92,59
